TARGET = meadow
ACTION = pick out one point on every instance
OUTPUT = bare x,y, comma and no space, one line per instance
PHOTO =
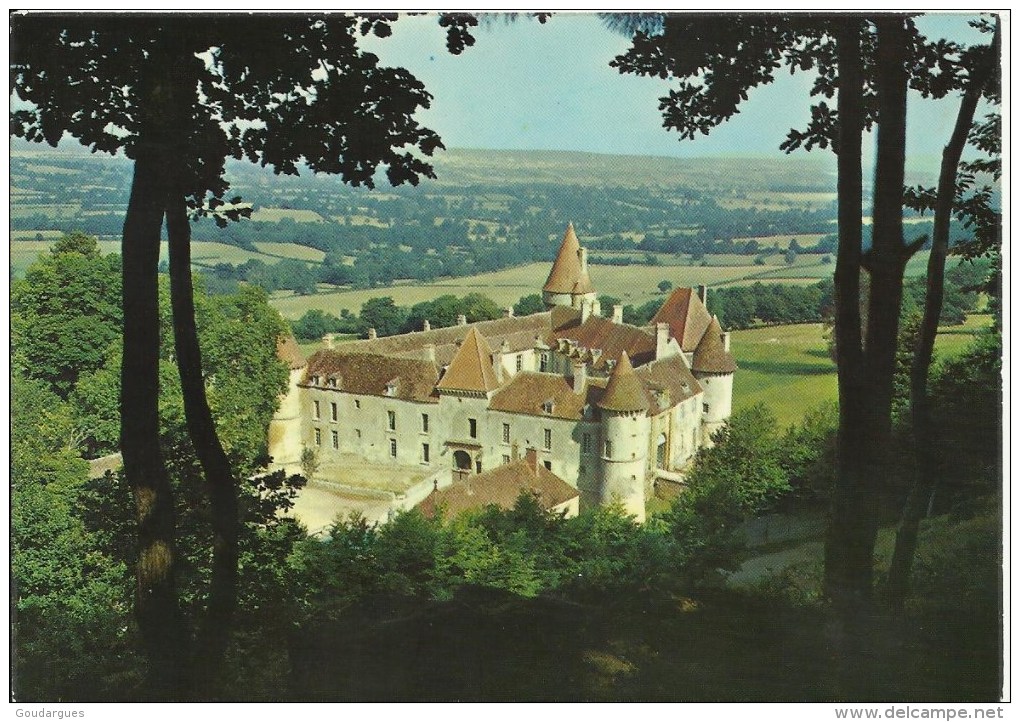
788,368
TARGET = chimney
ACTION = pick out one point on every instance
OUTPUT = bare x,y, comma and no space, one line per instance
703,293
531,456
661,340
726,340
497,359
586,309
618,313
580,370
508,312
328,339
582,254
426,326
372,335
461,319
430,352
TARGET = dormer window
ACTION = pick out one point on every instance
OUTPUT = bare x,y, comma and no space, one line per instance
315,380
331,382
391,387
547,406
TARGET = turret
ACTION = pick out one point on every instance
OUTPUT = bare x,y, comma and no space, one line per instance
713,366
285,427
568,283
625,429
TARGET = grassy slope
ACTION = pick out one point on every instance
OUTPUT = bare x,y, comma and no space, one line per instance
788,368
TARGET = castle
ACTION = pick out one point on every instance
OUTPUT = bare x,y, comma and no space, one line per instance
608,407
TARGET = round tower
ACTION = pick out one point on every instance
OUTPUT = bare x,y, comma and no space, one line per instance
625,429
568,283
285,428
713,366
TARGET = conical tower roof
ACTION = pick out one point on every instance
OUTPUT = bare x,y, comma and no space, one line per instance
288,351
624,392
568,275
711,356
471,368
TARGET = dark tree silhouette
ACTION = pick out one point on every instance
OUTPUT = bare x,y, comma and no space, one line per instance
868,63
179,94
949,198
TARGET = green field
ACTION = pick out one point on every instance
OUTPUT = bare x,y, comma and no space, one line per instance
634,284
788,368
272,215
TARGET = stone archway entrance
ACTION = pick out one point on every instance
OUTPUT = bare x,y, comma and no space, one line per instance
461,460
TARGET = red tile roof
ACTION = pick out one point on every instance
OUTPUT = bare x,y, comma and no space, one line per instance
711,355
500,487
373,374
529,391
472,367
687,317
611,338
288,351
567,274
624,392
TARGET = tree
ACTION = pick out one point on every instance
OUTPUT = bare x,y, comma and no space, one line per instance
178,94
528,305
867,63
383,315
948,196
665,286
50,344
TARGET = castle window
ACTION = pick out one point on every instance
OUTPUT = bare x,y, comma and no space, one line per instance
547,439
318,437
704,407
332,410
608,452
336,439
586,443
357,433
544,362
548,465
393,448
473,428
357,403
425,424
519,362
506,433
506,458
478,466
315,409
391,420
425,453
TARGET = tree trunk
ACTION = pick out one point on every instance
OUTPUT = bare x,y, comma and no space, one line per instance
159,615
843,545
916,507
214,634
866,379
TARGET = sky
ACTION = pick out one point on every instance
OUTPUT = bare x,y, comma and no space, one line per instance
527,85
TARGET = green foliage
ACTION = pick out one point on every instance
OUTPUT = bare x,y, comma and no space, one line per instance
65,313
72,619
740,476
966,398
383,315
665,286
529,304
808,455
